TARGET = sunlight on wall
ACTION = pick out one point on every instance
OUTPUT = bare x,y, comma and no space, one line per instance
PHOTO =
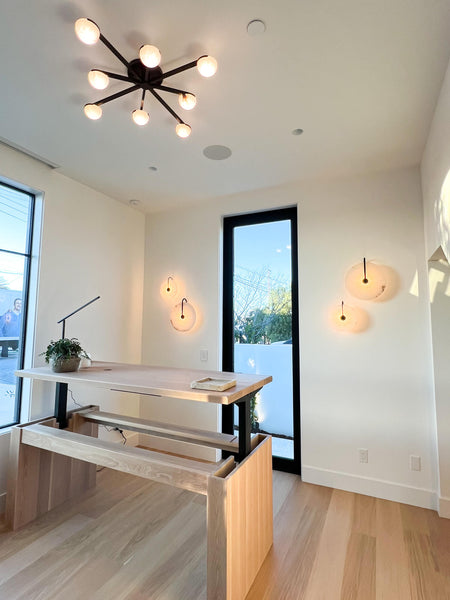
435,277
414,289
442,214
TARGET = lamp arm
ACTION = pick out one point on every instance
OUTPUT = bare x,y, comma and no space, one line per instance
116,76
172,90
118,95
63,320
113,50
185,67
166,106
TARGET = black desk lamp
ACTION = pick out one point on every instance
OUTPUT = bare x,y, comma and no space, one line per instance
61,388
63,320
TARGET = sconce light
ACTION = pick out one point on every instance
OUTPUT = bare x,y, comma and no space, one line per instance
350,319
183,316
168,288
343,317
366,282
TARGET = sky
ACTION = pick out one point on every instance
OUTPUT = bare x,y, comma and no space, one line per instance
14,208
264,245
266,248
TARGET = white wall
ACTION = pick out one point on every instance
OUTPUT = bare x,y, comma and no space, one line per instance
435,170
439,277
91,245
370,390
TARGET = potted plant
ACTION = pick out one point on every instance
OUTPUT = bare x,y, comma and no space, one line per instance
64,355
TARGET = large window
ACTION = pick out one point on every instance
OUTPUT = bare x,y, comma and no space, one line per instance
16,228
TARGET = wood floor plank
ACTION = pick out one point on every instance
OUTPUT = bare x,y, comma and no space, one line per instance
297,531
440,539
392,576
425,579
364,515
328,570
129,539
359,569
32,552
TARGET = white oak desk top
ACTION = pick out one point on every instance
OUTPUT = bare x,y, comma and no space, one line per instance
153,381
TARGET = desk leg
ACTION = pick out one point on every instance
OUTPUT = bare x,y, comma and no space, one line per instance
61,404
245,428
244,424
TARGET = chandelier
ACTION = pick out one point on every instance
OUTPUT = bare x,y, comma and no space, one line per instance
144,73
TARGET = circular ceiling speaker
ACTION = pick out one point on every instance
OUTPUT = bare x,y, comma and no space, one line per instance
256,27
217,152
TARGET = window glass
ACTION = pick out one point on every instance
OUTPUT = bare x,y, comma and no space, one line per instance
14,219
16,212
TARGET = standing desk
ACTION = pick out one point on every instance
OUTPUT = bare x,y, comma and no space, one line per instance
55,459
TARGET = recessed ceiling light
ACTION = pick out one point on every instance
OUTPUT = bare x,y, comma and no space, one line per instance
297,131
153,168
256,27
217,152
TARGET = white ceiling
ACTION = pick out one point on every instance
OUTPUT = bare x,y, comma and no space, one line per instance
360,77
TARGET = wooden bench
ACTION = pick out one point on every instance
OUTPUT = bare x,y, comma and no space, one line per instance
8,342
50,465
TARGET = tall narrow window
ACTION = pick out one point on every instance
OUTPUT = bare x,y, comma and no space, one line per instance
16,228
260,323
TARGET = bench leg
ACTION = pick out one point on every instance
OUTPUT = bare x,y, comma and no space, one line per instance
4,350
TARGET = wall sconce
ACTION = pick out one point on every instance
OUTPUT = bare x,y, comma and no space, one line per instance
183,316
350,319
168,288
366,281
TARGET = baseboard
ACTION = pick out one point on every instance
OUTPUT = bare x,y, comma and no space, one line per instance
444,507
368,486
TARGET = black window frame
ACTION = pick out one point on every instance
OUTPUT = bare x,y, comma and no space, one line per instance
229,224
27,255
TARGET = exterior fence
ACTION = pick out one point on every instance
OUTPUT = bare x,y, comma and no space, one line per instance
274,401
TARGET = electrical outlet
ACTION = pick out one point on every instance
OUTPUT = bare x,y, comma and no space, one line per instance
204,354
363,454
415,463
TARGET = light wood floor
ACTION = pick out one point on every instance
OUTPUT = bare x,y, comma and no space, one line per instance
129,539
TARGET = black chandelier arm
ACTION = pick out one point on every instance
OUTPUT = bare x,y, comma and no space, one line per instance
113,50
142,99
116,76
185,67
166,106
118,95
172,90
